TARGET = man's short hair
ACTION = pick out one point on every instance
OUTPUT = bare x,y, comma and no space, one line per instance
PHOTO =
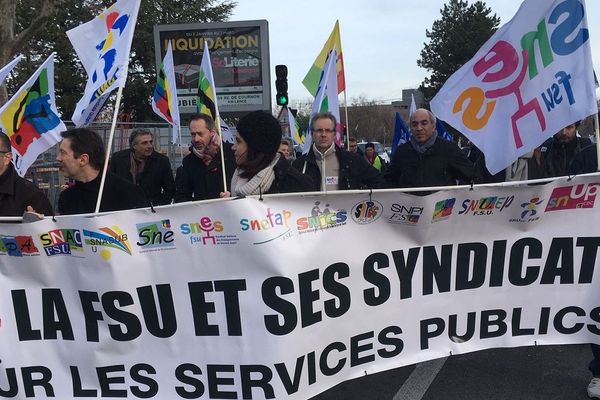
136,133
5,142
208,120
322,115
352,139
86,141
432,117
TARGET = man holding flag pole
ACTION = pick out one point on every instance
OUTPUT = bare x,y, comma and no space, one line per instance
207,170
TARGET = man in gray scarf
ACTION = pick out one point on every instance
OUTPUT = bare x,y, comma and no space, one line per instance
427,160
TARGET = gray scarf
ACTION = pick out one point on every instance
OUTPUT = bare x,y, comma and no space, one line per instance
259,183
422,148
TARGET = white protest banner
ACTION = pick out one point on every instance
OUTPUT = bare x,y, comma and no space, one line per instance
286,297
533,77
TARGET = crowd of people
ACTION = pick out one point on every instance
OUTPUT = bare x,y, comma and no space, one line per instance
260,162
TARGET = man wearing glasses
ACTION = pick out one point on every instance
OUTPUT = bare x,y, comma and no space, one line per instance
331,167
17,194
429,160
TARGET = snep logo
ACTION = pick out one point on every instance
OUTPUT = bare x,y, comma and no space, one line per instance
405,215
443,210
529,211
486,205
570,197
62,242
155,235
366,212
320,219
108,238
18,246
207,231
273,225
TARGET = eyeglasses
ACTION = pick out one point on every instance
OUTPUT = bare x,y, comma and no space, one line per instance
321,131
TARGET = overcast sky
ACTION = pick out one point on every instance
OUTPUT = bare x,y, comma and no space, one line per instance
381,39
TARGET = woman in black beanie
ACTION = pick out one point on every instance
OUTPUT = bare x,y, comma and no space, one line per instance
260,168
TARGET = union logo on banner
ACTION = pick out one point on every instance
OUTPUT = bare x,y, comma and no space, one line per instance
570,197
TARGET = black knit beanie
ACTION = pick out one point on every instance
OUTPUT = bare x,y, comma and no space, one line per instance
261,131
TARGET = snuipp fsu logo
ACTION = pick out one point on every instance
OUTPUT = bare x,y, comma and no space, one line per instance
155,235
571,197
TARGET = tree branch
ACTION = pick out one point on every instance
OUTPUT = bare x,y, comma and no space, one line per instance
48,7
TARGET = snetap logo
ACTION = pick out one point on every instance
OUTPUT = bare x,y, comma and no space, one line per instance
443,210
274,225
570,197
405,215
366,212
62,242
321,219
207,231
18,246
155,235
486,205
529,213
108,238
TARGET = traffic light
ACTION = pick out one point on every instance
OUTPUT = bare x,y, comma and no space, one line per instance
281,85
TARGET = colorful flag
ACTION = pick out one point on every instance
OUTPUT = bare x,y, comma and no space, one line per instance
9,67
442,131
164,99
326,100
30,118
294,129
413,105
206,102
313,77
533,77
103,45
401,133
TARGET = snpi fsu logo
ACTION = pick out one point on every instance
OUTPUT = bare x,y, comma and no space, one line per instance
108,238
155,235
405,215
366,212
18,246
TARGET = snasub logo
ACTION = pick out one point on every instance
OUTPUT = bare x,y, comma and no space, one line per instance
530,212
443,210
486,205
274,224
18,246
321,219
405,215
366,212
570,197
108,238
207,231
155,235
62,242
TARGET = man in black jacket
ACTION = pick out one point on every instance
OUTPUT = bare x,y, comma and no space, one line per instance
16,193
560,150
333,168
143,166
428,160
200,176
81,156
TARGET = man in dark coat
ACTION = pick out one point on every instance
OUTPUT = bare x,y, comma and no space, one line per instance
333,168
560,150
145,167
427,160
200,176
16,193
81,156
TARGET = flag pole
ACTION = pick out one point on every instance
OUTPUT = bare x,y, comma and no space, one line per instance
218,126
597,141
347,124
109,144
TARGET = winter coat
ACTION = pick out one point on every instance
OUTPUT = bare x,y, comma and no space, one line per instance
17,193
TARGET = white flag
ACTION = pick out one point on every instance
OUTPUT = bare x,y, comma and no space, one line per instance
326,99
103,46
533,77
164,99
30,118
9,67
413,105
